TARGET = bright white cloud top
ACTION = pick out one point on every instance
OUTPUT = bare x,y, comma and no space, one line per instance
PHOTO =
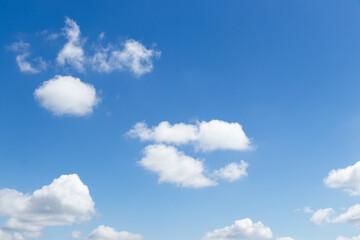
285,238
233,171
72,53
133,56
108,233
175,167
347,178
66,95
241,229
205,136
65,201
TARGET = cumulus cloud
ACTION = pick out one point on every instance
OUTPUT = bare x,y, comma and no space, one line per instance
205,136
64,202
66,95
241,229
285,238
108,233
321,216
351,215
72,53
233,171
345,238
34,65
133,56
347,178
175,167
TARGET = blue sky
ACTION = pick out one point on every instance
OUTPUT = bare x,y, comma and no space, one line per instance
272,83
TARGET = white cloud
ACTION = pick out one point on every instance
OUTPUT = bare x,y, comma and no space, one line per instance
10,236
64,202
175,167
352,215
345,238
35,66
241,229
134,57
307,210
205,136
322,215
66,95
72,53
108,233
75,235
285,238
233,171
348,178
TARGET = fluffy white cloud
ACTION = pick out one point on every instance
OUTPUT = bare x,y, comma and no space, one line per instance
206,136
175,167
72,53
233,171
322,215
345,238
64,202
352,215
108,233
133,57
66,95
285,238
241,229
10,236
348,178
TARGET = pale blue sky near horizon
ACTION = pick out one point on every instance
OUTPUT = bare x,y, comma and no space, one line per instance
287,71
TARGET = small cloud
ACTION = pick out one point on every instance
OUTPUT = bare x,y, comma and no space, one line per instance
66,95
175,167
233,171
133,57
241,229
108,233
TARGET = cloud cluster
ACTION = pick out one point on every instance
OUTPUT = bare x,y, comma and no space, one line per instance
175,167
64,202
130,55
66,95
241,229
347,178
205,136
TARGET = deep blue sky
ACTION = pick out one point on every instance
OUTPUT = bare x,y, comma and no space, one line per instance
287,71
